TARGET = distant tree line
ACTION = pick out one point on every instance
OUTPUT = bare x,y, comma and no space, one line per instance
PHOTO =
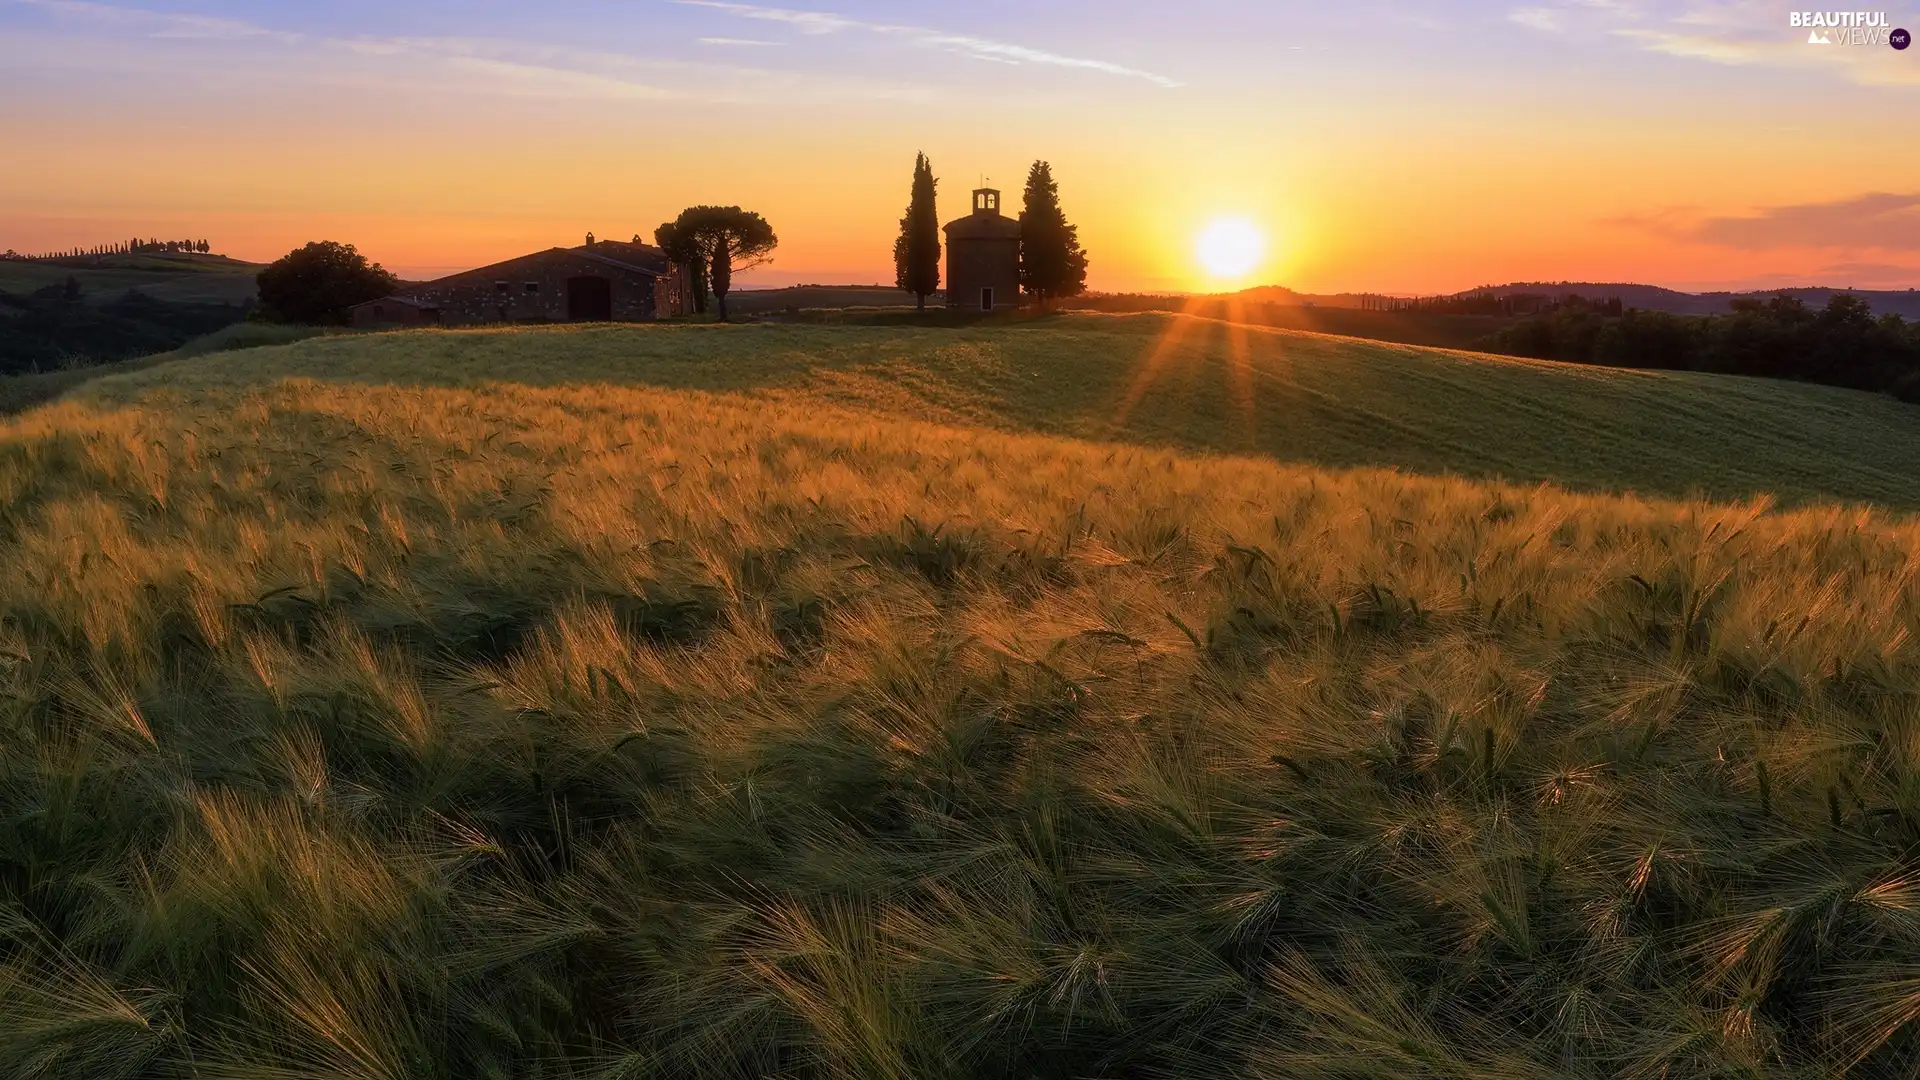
1842,344
1488,302
131,247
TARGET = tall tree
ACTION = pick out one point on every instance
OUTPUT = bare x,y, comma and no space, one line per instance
1051,262
731,239
320,283
683,249
916,252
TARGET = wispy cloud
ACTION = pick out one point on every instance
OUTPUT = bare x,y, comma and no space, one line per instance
1872,275
162,24
807,22
466,65
741,42
1878,221
1546,20
820,23
546,80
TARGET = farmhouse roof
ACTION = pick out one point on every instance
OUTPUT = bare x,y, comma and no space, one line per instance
631,257
642,257
638,258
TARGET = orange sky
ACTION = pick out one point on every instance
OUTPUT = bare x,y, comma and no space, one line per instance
1378,150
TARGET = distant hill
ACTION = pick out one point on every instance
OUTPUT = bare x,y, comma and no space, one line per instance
1905,302
127,306
169,276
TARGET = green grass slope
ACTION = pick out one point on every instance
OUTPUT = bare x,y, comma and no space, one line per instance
755,301
193,279
1200,384
710,703
21,392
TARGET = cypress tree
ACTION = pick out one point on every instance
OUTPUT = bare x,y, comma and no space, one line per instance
720,270
1051,262
916,252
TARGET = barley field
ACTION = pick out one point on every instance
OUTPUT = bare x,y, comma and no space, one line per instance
788,702
1199,384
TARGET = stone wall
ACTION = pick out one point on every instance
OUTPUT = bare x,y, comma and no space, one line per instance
976,263
388,313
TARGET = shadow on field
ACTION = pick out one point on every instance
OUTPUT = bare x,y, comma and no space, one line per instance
18,393
1194,384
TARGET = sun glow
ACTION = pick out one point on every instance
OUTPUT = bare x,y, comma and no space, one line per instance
1231,248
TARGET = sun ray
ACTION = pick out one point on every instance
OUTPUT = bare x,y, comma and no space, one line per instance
1157,356
1240,372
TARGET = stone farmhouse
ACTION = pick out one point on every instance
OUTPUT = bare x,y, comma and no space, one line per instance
599,281
983,257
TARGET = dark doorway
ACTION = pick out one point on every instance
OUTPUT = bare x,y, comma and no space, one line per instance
986,299
589,299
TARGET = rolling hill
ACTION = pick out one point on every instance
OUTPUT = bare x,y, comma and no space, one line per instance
1199,384
1068,698
174,278
1902,302
125,306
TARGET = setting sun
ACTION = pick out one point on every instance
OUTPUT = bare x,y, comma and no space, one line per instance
1231,247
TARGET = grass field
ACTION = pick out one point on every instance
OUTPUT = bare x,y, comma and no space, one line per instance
742,302
21,392
1403,327
1206,385
794,701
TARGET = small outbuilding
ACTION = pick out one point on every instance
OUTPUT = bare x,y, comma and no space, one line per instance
983,257
600,281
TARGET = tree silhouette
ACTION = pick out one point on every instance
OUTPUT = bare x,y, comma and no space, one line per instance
682,248
730,239
320,284
1051,262
916,252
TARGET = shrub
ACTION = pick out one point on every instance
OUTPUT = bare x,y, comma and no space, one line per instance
319,284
